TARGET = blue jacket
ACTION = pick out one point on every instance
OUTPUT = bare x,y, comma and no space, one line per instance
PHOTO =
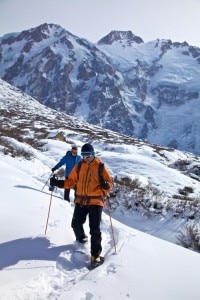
69,160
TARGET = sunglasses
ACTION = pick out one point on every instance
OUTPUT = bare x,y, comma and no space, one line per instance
74,149
88,156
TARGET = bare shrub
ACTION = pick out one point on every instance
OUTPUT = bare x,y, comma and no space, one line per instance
183,197
189,236
128,182
196,170
186,207
35,143
183,192
188,189
9,149
182,162
133,196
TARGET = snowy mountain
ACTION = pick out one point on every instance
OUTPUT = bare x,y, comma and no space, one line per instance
147,90
156,190
165,78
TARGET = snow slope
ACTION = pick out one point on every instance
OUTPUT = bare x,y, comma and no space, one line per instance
34,266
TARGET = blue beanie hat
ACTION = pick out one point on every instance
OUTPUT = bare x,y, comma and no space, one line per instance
87,149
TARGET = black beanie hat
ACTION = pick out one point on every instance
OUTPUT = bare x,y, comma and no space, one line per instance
87,149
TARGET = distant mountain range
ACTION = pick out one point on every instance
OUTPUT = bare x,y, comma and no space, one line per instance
147,90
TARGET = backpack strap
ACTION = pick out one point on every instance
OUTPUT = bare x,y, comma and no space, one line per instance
100,170
78,169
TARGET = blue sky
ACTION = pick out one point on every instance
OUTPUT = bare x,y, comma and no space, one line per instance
177,20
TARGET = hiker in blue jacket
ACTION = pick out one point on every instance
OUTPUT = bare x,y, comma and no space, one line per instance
70,159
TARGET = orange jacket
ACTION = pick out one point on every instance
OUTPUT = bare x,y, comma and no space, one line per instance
88,189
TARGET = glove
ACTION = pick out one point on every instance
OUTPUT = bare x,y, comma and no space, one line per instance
56,182
104,184
53,169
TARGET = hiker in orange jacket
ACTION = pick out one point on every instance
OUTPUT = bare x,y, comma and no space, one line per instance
91,190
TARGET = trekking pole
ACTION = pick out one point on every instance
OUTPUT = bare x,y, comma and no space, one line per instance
46,182
109,212
49,211
51,188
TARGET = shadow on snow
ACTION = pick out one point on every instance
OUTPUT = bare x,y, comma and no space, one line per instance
38,248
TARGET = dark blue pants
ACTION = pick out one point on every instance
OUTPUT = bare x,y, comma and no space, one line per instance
79,218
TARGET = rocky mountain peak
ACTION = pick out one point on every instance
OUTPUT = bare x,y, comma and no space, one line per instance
41,32
34,35
122,36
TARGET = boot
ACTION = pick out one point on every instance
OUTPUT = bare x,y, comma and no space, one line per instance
96,261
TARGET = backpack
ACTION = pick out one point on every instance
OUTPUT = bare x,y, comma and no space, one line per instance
103,183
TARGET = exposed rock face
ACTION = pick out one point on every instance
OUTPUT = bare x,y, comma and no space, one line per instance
121,36
148,90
